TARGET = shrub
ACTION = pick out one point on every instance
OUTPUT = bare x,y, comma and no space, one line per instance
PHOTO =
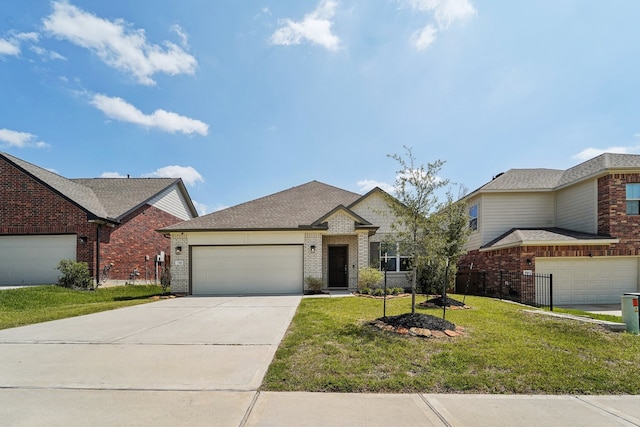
165,280
314,284
365,291
377,292
75,275
369,277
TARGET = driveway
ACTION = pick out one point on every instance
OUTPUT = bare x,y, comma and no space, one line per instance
197,360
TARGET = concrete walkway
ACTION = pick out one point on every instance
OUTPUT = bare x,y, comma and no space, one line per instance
200,361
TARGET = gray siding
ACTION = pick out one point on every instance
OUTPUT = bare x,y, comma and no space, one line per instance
173,202
577,207
502,212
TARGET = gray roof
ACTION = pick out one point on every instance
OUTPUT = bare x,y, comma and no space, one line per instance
102,198
553,179
120,196
541,236
294,208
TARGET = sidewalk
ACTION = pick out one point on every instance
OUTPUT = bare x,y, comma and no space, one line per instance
398,410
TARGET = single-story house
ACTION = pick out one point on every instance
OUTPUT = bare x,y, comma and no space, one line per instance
582,225
45,218
271,244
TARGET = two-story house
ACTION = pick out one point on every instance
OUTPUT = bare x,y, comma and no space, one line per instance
582,225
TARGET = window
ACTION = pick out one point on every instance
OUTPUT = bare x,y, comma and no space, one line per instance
387,255
473,217
633,199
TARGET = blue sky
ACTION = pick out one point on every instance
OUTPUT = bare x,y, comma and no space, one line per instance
243,99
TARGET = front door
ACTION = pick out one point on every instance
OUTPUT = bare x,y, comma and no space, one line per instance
338,266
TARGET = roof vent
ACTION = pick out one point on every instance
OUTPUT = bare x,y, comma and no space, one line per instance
498,176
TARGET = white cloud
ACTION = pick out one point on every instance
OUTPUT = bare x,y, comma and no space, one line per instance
315,28
47,54
189,175
590,153
9,47
445,13
184,37
20,139
117,43
424,38
167,121
200,207
367,185
112,175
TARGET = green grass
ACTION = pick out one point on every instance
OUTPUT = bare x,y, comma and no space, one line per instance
329,347
24,306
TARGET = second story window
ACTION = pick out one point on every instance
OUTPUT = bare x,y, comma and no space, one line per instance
633,199
473,217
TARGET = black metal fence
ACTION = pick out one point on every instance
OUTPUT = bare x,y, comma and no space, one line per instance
524,287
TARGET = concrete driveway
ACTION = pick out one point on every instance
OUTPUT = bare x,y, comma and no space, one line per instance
195,360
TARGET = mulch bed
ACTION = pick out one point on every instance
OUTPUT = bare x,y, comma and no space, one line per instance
450,303
418,325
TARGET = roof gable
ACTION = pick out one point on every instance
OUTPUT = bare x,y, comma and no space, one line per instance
80,195
120,196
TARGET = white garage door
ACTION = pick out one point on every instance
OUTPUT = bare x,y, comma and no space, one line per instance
590,280
33,260
246,270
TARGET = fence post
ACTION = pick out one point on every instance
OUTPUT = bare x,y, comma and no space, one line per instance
550,292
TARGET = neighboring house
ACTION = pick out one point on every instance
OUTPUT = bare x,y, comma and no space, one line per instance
45,218
271,244
581,224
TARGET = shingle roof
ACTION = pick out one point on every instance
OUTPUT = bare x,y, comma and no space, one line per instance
552,179
102,198
542,236
120,196
289,209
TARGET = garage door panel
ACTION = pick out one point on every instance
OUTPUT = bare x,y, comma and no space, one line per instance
590,280
260,269
33,260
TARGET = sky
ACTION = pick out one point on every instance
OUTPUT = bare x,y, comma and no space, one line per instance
244,99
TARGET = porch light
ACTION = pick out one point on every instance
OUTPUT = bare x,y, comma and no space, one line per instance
178,250
313,249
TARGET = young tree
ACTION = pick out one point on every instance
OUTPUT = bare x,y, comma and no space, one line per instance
415,200
449,232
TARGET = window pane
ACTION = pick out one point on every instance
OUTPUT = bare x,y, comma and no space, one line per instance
405,264
633,191
391,264
473,211
374,254
388,248
633,207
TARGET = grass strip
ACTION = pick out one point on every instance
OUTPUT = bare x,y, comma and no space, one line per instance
35,304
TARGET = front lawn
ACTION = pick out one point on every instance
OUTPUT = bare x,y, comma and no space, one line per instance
330,347
24,306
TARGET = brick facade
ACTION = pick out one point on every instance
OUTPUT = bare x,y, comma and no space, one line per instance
31,208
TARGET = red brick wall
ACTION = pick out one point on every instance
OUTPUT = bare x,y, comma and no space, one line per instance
136,237
612,213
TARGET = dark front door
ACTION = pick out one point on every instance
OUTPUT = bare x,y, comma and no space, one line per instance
338,267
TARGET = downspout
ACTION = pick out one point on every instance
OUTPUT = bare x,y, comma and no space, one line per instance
97,253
